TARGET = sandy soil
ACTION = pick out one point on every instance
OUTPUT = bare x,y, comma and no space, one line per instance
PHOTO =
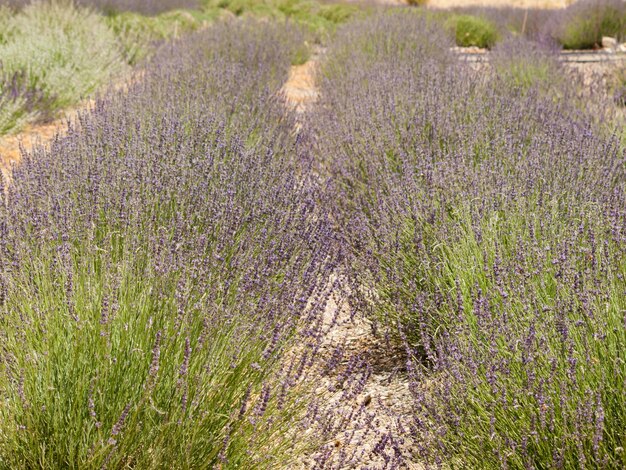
33,134
499,3
472,3
376,434
300,90
12,146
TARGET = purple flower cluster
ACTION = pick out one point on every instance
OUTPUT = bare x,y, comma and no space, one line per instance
486,230
20,101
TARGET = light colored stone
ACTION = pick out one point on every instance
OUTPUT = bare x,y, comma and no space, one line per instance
608,42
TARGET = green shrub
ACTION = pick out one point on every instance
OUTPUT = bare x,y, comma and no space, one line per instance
583,25
65,51
337,13
318,18
473,31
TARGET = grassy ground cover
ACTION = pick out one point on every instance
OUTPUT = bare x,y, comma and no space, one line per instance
156,264
486,226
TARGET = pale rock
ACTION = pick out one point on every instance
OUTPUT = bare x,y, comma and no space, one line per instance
608,42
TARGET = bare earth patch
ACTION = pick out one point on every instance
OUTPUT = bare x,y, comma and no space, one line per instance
372,419
547,4
498,3
33,134
299,90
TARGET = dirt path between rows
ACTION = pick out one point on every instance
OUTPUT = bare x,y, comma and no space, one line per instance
372,424
300,90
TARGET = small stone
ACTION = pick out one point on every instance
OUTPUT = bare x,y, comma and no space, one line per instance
608,42
622,47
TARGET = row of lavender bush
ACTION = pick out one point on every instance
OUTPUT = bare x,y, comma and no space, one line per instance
148,7
157,264
486,225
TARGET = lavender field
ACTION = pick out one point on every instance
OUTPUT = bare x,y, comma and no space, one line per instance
286,246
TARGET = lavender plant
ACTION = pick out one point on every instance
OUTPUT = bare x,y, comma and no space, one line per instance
58,52
147,7
485,226
20,104
523,64
157,265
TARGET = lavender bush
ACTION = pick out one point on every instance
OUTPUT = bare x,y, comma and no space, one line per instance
486,228
523,64
147,7
157,264
53,55
19,103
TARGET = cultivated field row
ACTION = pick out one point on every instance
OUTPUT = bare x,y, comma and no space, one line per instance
273,251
